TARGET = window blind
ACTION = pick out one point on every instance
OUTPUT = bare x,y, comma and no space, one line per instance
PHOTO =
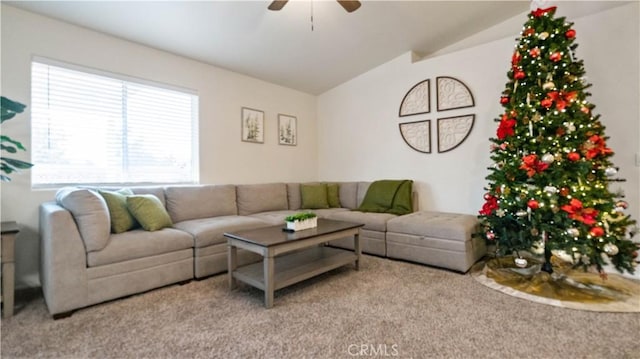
90,128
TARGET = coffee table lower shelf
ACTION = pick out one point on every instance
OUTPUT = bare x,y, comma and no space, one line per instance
295,267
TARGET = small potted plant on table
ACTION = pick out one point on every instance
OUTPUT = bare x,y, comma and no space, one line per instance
300,221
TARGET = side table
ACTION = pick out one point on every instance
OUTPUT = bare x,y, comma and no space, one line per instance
7,249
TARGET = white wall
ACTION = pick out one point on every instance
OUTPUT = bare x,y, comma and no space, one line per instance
359,139
223,157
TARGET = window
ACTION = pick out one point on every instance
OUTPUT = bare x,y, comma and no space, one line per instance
90,127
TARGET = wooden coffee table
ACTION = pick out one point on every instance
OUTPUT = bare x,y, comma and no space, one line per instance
290,257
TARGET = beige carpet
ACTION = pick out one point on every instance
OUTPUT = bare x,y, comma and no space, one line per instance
388,307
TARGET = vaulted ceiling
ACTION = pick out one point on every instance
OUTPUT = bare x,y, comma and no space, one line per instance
281,47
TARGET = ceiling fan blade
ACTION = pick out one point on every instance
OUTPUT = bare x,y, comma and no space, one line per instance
350,5
277,5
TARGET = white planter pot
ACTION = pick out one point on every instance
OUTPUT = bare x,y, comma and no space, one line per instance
302,225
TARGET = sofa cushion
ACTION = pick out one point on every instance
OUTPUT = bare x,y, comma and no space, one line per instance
91,214
148,211
371,221
193,202
157,191
139,243
121,218
274,217
348,193
314,195
293,195
208,231
333,195
363,187
256,198
277,217
326,213
452,226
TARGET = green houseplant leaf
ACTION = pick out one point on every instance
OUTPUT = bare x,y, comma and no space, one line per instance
17,164
18,145
8,110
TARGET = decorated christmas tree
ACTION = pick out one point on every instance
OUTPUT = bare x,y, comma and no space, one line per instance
548,189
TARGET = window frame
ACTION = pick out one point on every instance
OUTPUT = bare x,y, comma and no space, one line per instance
195,115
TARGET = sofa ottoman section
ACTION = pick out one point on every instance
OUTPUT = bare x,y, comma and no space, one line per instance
435,238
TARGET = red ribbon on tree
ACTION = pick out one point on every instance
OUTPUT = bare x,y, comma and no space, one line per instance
577,213
506,127
532,165
539,12
561,98
490,205
595,146
546,102
515,58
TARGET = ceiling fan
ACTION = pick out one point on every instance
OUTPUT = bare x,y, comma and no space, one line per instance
349,5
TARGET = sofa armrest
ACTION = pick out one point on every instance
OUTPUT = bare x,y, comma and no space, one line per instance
63,260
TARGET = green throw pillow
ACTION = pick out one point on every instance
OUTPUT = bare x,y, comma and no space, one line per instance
121,219
333,195
149,212
314,196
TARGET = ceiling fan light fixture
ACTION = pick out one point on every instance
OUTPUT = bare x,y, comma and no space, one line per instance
349,5
277,5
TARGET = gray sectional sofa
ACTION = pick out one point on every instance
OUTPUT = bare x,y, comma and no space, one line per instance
83,263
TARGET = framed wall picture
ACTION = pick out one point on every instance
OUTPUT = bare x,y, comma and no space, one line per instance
252,125
287,130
